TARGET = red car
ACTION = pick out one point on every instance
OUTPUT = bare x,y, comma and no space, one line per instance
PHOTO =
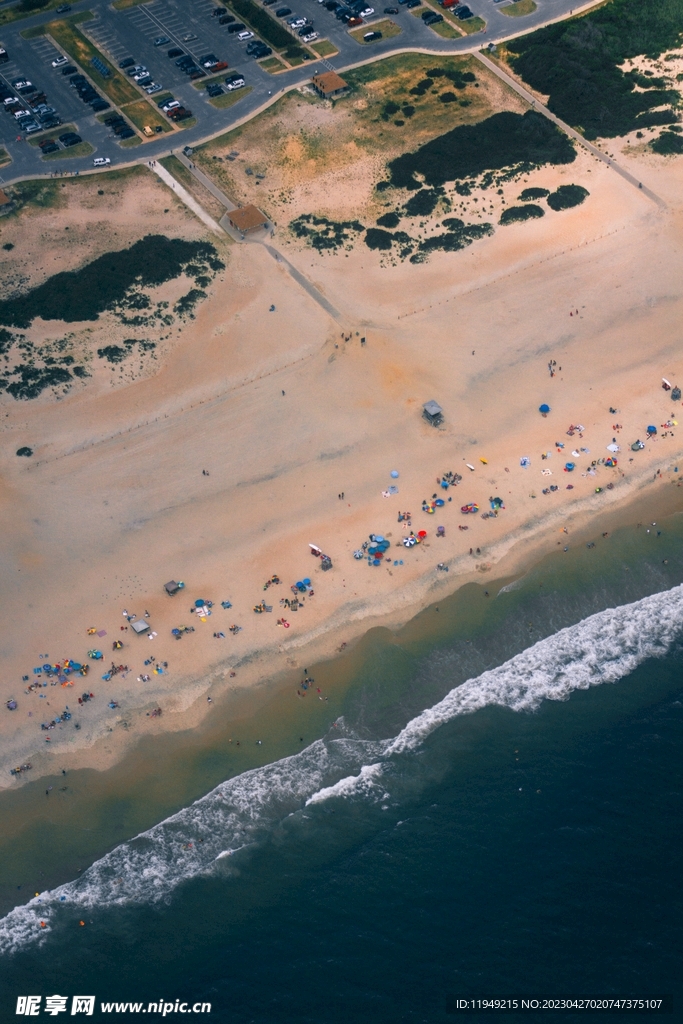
355,21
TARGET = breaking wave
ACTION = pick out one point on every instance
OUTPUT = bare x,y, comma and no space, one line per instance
201,838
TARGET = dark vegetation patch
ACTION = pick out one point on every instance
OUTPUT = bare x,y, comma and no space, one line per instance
424,202
185,305
108,281
25,451
566,196
323,233
667,144
448,97
407,110
31,380
6,340
389,220
422,87
27,6
458,236
389,109
376,238
117,353
460,79
505,140
8,246
513,214
576,64
533,193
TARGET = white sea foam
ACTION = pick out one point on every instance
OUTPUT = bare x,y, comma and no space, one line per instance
244,810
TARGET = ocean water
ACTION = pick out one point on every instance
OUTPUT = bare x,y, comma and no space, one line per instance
493,808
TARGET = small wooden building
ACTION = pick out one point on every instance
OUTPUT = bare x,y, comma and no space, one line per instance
432,412
246,219
329,84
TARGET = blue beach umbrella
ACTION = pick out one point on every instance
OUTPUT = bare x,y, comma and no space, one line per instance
544,409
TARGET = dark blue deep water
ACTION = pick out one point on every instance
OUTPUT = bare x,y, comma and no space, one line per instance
497,813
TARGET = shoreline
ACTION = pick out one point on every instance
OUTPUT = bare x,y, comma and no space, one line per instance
514,555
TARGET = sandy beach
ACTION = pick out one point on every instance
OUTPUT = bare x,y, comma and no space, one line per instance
223,457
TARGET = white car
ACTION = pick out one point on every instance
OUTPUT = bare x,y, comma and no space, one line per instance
237,83
22,113
140,75
173,105
243,36
367,12
189,37
309,37
154,87
60,62
296,22
101,161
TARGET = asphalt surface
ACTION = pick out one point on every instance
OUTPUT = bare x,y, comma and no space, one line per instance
132,32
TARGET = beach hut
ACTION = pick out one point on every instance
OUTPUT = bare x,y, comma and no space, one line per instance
140,627
432,412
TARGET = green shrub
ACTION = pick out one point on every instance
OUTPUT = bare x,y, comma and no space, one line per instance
566,196
375,238
27,6
34,379
457,238
422,203
388,220
503,140
533,193
448,97
667,144
513,214
576,63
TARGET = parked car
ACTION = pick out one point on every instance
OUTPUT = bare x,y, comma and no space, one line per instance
100,104
170,105
154,87
101,161
235,83
355,21
221,66
175,52
70,140
305,31
161,40
189,37
60,62
127,62
197,73
70,69
263,51
4,55
412,4
53,122
282,12
309,37
236,27
367,12
49,147
135,70
296,22
214,90
391,10
208,60
370,37
144,73
243,36
63,8
127,133
217,11
227,19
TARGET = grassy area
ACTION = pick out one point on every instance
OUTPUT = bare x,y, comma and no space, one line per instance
51,133
387,27
324,48
446,30
471,25
270,30
129,143
123,5
229,98
10,14
519,9
82,149
272,65
142,113
81,50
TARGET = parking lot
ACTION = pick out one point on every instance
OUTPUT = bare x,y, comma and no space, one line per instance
148,32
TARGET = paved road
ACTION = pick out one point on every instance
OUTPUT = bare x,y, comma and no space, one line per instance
131,32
